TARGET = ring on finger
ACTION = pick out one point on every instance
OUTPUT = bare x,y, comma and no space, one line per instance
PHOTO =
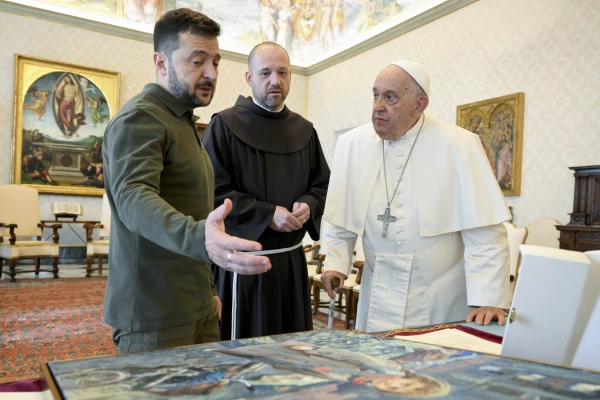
229,256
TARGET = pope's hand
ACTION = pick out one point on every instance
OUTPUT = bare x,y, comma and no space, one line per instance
326,279
227,251
485,315
284,221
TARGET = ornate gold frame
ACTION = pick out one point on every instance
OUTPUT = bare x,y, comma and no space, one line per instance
27,71
477,118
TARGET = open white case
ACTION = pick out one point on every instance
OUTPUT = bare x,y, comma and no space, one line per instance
553,306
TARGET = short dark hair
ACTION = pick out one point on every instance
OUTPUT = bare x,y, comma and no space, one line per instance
181,20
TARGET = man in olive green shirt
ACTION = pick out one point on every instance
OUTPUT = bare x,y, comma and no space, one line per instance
160,186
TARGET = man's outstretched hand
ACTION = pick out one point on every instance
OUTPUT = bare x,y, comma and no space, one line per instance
227,251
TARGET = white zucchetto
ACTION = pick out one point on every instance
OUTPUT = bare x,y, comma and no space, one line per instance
415,70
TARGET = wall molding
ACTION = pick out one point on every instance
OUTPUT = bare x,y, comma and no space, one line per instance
392,33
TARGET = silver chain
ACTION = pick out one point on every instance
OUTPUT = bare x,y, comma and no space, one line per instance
403,169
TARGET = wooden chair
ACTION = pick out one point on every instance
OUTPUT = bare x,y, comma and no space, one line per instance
317,285
516,237
345,291
311,251
20,222
543,233
311,264
359,266
98,248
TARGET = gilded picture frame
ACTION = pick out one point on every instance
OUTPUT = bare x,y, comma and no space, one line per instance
499,124
60,113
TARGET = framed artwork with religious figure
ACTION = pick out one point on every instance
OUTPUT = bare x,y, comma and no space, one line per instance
60,114
499,124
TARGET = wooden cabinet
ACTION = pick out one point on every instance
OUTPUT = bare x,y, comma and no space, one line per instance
200,127
579,238
582,233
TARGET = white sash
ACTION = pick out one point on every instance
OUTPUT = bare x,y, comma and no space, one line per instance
390,294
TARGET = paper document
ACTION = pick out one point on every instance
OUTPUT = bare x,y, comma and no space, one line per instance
455,338
45,395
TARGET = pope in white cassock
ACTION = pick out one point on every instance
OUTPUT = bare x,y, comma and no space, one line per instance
423,196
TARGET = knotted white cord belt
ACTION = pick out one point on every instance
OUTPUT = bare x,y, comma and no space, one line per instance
234,285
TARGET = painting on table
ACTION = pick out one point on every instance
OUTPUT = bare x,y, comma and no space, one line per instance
319,365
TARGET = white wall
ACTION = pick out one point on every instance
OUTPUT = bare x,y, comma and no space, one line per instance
549,49
52,41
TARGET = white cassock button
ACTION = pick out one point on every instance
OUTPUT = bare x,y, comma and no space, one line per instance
399,191
399,243
398,204
399,155
399,167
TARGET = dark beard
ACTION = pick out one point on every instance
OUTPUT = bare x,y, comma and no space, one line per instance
267,102
184,93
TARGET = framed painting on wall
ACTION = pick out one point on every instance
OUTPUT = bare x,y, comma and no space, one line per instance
499,124
60,114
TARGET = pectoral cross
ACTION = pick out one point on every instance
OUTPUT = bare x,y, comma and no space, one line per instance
386,217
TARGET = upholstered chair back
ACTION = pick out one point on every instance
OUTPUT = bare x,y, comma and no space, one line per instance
516,237
105,218
358,250
543,233
20,205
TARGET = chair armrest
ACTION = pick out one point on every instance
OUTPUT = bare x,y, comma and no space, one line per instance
55,228
89,229
13,237
315,252
309,247
359,265
320,259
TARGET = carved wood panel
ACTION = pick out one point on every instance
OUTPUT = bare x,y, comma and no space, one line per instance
582,233
200,127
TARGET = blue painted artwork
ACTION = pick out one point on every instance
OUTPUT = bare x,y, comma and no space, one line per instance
318,365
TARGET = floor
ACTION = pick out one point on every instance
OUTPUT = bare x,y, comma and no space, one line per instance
77,270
